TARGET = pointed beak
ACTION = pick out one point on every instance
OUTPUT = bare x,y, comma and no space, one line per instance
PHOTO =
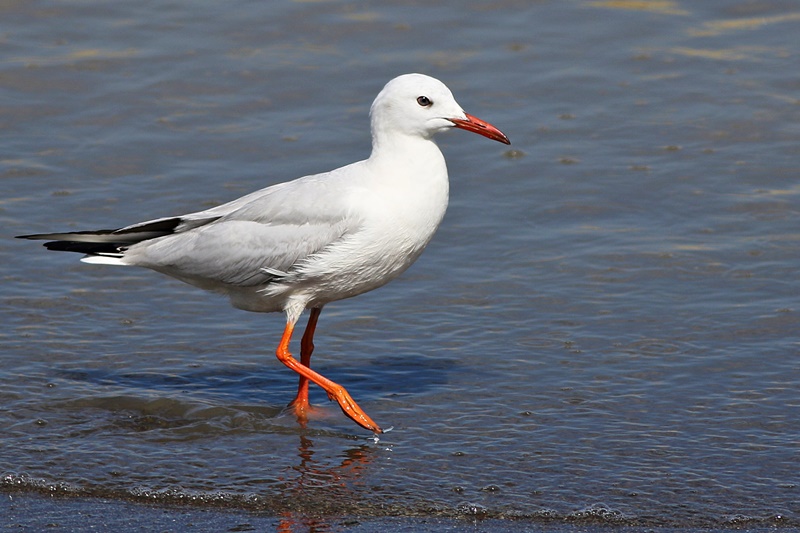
476,125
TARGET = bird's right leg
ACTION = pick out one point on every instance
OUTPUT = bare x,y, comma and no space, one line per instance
300,404
334,390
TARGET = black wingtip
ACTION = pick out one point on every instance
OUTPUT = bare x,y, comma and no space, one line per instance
88,248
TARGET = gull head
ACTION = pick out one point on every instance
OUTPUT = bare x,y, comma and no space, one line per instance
420,106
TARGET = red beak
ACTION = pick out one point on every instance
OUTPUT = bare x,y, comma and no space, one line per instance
476,125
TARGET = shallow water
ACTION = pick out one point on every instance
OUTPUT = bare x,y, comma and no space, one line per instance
604,330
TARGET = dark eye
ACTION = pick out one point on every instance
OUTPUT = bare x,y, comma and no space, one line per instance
424,101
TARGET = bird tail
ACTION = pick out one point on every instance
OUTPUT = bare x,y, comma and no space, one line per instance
106,246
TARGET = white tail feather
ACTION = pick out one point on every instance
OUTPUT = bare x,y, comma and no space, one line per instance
102,260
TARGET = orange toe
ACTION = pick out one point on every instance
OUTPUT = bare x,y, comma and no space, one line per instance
352,410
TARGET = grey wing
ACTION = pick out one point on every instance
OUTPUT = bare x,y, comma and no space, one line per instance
254,239
235,252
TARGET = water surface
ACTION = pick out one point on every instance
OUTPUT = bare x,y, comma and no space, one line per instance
604,330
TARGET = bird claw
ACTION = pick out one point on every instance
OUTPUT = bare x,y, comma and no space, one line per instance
351,409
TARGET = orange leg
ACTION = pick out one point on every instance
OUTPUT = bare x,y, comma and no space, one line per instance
334,390
300,402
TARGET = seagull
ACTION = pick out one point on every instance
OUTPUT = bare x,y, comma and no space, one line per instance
317,239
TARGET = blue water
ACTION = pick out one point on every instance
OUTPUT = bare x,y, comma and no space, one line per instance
604,330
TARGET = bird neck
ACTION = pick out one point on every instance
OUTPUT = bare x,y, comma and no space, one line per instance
399,149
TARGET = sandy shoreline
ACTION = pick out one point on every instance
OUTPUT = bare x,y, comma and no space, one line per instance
34,512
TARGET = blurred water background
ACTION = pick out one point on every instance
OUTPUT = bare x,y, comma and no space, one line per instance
604,331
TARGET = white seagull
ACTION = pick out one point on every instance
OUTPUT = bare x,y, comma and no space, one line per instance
320,238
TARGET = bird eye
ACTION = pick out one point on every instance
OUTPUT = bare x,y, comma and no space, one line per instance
424,101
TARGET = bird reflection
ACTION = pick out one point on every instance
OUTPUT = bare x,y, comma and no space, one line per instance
315,493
